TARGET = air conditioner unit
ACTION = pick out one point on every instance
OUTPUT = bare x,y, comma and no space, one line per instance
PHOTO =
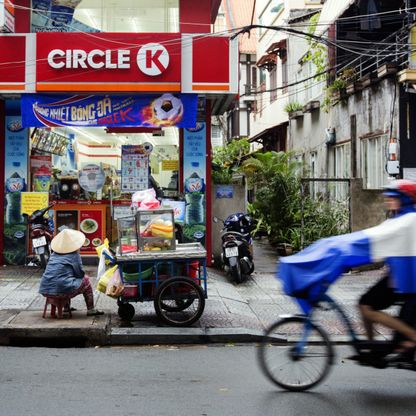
330,136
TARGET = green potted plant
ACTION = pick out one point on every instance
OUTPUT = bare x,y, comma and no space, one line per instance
337,90
226,160
294,109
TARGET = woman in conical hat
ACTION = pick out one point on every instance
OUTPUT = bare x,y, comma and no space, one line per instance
64,274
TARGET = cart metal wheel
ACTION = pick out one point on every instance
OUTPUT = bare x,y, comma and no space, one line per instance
179,301
126,311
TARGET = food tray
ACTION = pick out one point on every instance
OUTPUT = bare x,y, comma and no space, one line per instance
156,230
183,251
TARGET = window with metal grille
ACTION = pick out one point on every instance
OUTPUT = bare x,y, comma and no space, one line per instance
254,77
342,164
373,162
343,160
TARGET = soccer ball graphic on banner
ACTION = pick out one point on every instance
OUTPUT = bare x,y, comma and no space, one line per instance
168,109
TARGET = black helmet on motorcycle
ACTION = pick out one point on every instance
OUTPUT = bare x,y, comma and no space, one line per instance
237,222
403,189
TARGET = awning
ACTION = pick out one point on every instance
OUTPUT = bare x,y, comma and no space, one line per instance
259,137
331,11
278,48
266,60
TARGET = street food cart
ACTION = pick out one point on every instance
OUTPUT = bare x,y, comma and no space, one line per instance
154,267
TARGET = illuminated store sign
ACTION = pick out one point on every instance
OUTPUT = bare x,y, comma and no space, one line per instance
152,59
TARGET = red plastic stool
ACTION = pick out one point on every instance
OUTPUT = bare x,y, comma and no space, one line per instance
57,301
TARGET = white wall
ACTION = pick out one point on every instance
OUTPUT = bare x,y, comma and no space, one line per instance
307,133
273,114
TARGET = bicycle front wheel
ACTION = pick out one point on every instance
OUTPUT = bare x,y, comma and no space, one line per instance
295,354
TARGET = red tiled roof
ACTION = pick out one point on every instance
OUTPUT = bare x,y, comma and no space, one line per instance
238,14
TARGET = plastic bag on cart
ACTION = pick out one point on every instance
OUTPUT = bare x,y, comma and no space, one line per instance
105,279
139,196
115,286
149,204
105,255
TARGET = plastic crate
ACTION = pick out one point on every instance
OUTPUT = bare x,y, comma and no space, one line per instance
130,291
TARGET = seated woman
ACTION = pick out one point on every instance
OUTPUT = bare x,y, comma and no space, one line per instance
64,274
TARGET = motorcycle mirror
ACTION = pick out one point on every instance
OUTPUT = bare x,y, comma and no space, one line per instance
215,219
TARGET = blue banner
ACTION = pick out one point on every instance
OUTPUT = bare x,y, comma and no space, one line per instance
15,173
149,110
194,173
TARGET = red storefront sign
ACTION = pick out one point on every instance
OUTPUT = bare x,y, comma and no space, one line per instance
12,62
213,65
118,62
108,62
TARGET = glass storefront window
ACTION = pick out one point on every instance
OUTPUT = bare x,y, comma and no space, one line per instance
59,156
128,16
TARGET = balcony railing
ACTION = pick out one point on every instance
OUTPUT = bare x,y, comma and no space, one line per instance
393,50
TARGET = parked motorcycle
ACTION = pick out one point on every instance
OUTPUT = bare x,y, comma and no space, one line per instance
237,249
40,234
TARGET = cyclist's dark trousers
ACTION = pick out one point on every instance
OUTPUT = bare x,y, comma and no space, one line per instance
407,314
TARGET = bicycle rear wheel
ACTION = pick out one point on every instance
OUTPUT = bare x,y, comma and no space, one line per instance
295,354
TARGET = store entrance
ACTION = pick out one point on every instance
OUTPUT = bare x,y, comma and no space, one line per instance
91,173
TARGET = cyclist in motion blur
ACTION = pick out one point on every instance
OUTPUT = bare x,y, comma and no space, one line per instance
296,351
400,199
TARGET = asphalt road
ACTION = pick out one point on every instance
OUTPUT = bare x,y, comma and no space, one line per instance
188,380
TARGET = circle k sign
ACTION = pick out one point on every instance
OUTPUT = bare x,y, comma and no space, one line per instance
152,59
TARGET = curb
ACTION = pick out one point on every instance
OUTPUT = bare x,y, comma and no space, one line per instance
112,336
27,328
163,335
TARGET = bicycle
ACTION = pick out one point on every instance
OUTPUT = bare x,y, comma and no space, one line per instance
308,353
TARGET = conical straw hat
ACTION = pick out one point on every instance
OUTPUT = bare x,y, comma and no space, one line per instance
67,241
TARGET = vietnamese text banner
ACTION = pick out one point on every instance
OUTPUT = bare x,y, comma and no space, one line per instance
150,110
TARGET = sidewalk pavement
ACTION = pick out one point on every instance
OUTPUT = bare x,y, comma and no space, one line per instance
233,313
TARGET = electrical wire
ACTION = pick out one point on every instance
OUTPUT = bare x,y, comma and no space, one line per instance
236,33
177,41
312,77
359,17
319,39
341,19
50,12
252,13
348,18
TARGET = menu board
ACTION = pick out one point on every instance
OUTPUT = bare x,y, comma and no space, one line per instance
89,219
91,224
49,141
134,168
